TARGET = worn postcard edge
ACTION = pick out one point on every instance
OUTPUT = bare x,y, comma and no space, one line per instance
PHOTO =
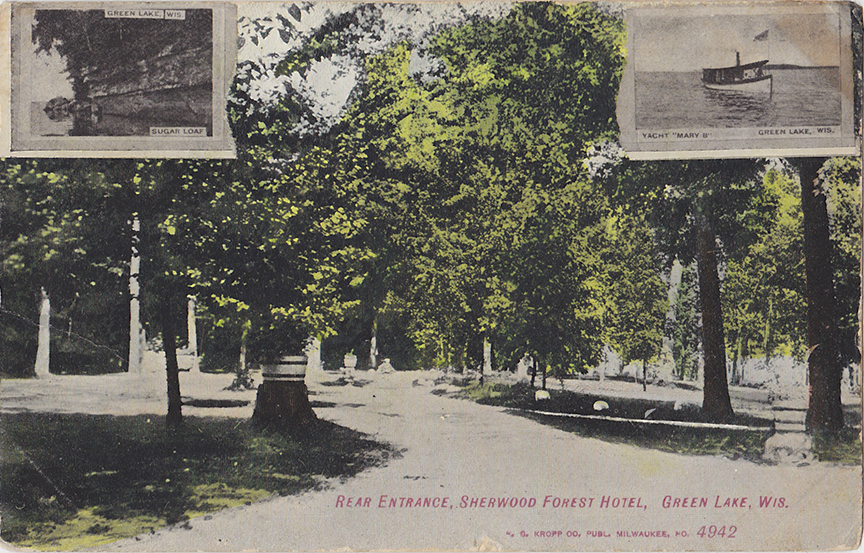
5,78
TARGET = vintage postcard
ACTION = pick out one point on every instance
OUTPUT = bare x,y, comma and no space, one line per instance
444,298
726,81
119,80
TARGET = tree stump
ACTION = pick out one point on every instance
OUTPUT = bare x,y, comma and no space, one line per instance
283,400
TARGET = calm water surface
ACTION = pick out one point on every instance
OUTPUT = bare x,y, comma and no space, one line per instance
802,97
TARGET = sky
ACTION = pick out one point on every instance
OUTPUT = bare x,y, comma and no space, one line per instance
48,76
327,84
692,43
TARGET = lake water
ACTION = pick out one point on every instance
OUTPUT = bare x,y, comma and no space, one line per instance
42,125
801,97
109,125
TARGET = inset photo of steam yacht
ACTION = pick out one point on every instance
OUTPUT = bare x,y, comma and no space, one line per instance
716,75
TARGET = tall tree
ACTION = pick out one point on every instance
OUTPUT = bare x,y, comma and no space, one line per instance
841,179
701,210
471,172
715,401
764,283
824,411
63,229
639,299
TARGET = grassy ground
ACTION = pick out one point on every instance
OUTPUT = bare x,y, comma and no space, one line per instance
843,448
690,441
75,481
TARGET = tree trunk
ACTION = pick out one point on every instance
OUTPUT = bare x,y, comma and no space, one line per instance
169,343
241,365
283,406
43,343
313,354
545,370
824,411
715,400
282,402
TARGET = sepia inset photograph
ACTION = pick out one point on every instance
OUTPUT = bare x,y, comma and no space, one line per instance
141,72
738,71
739,79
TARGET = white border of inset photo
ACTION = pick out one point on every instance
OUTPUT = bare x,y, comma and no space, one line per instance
168,141
786,87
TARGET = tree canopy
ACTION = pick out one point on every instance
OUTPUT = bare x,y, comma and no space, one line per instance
451,195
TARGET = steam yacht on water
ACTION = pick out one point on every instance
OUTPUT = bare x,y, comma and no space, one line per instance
748,78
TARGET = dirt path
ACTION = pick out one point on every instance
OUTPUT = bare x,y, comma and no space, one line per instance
453,448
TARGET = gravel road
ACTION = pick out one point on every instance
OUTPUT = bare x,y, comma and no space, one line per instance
456,455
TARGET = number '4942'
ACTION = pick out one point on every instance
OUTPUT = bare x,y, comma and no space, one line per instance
717,531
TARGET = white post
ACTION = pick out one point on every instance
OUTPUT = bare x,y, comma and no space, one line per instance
134,304
192,334
487,357
313,355
43,347
243,353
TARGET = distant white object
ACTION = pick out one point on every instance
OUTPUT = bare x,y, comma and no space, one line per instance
649,412
192,333
600,405
541,395
522,369
678,405
385,366
487,357
43,344
313,354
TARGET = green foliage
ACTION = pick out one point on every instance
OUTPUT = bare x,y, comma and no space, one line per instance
448,207
479,213
219,343
273,250
764,285
637,295
842,183
56,217
679,197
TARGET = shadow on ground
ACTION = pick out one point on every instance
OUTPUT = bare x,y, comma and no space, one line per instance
748,444
72,481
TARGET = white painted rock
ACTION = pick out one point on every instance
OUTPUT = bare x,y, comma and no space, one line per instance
789,448
540,395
